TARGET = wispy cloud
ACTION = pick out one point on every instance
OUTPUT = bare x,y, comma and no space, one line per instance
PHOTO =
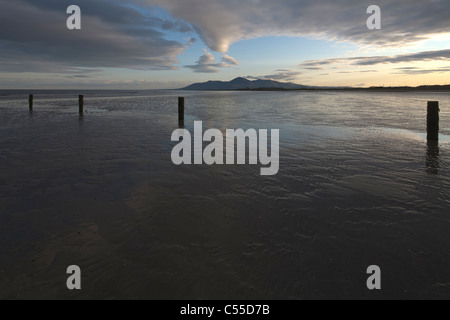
279,75
438,55
416,71
230,60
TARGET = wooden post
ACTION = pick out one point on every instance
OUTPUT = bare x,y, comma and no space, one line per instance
433,121
180,109
81,103
30,99
180,112
433,158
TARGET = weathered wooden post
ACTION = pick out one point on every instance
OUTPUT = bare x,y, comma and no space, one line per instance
181,108
433,121
433,157
81,103
181,112
30,100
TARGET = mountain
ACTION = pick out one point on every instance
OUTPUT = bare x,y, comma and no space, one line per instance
243,84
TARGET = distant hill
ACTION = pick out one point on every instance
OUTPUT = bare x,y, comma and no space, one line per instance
244,84
270,85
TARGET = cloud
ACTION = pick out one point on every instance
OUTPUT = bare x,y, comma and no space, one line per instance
312,68
279,75
416,71
230,60
82,76
438,55
34,37
191,41
222,23
207,63
136,34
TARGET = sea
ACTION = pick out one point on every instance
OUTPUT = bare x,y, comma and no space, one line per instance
358,186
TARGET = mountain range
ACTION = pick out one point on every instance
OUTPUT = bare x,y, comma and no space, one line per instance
244,84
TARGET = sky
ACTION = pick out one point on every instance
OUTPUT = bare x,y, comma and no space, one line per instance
167,44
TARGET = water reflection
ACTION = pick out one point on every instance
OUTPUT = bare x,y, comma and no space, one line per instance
433,158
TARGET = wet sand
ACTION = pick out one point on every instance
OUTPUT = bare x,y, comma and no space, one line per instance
358,185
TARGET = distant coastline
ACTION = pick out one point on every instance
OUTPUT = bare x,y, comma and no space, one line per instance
434,88
242,84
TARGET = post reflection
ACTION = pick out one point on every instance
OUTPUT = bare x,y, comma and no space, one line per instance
433,157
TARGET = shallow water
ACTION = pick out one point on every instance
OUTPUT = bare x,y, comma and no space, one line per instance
358,186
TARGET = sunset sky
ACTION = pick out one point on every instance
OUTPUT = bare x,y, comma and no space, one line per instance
163,44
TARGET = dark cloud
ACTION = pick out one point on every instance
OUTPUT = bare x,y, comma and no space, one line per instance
279,75
418,71
133,34
438,55
83,76
312,68
34,37
191,41
115,12
222,23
